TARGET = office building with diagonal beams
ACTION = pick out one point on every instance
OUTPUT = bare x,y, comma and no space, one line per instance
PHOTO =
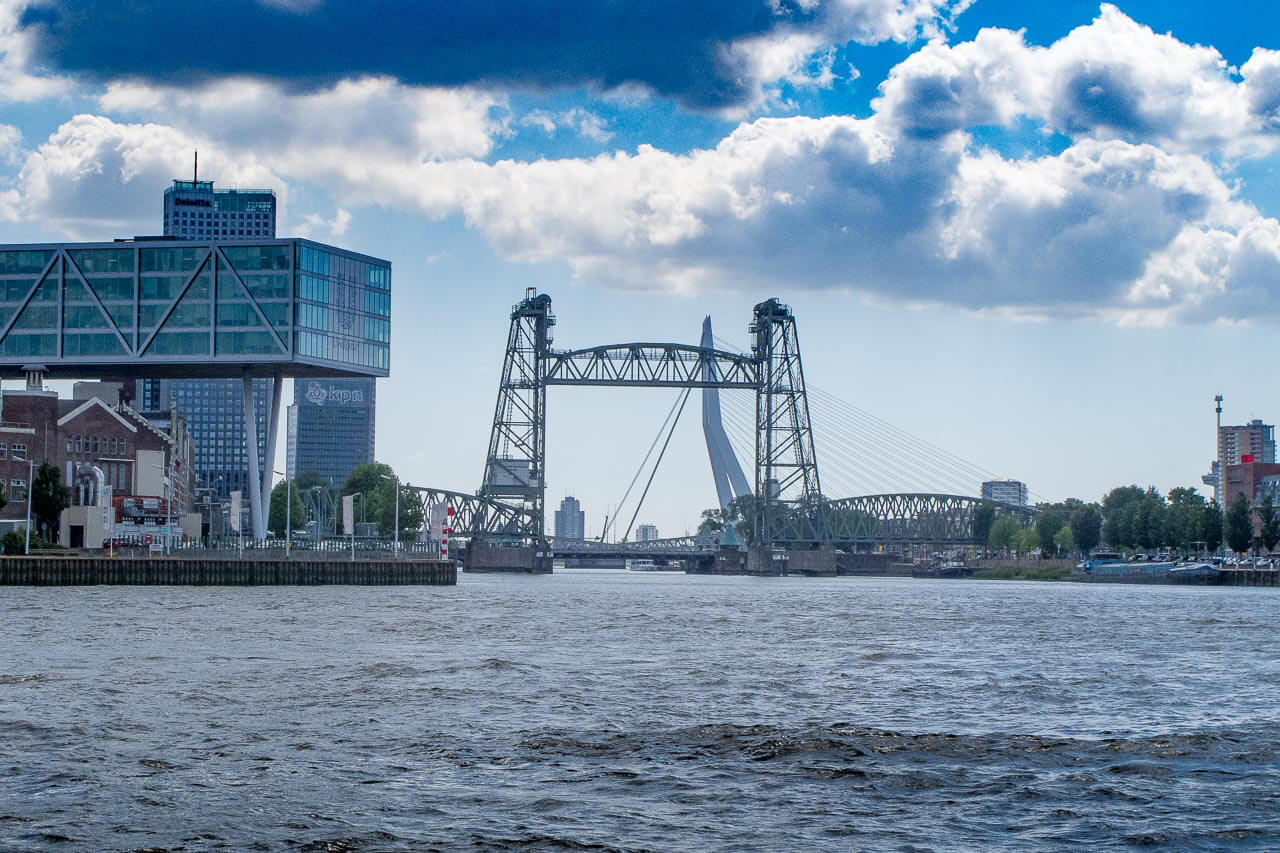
180,309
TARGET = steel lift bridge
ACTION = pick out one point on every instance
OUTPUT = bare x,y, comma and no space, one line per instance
792,511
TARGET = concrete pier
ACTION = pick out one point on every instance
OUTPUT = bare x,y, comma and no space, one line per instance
481,556
160,571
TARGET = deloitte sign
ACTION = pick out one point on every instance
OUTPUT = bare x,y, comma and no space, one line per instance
321,394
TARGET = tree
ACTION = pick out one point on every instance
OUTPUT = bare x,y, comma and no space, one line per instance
277,515
1151,526
1119,516
1238,524
1063,541
1086,527
1028,540
712,522
1186,518
1052,518
1270,522
1211,526
1004,533
49,497
377,501
310,479
984,515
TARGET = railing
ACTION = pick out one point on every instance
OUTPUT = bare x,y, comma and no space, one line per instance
337,548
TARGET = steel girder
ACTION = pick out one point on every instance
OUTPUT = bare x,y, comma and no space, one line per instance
907,519
786,464
513,471
689,544
475,515
650,365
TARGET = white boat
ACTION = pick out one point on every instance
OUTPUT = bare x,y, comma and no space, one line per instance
645,566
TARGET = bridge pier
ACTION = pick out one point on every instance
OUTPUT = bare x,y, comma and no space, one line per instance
482,556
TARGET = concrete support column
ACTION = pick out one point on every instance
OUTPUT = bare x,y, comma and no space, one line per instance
257,519
273,428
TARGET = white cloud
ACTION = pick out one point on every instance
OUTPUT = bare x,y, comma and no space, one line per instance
582,122
16,84
374,115
95,179
1113,78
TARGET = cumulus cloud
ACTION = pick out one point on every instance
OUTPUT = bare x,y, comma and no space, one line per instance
376,116
1113,78
16,81
707,54
95,179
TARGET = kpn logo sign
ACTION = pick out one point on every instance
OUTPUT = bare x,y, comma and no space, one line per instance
320,394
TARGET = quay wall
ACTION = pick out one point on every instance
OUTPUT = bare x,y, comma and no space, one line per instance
166,571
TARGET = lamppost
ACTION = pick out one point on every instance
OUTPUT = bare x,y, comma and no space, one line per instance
288,509
395,480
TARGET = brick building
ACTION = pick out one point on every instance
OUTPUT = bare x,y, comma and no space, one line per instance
136,458
1253,480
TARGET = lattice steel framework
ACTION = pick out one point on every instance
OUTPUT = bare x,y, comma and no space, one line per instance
786,465
513,471
909,519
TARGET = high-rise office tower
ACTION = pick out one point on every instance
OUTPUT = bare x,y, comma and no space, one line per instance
331,425
214,408
571,521
1005,491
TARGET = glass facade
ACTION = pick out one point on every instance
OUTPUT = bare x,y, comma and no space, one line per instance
195,309
194,210
331,427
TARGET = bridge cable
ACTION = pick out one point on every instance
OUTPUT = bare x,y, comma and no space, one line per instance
938,468
679,401
684,399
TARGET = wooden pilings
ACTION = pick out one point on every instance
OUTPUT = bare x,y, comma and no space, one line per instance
158,571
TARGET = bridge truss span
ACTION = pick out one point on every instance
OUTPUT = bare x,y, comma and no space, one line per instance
909,519
652,365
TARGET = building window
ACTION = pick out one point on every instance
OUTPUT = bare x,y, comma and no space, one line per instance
4,451
19,452
17,490
79,444
95,445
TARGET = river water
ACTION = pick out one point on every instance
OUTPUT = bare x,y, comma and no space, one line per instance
640,712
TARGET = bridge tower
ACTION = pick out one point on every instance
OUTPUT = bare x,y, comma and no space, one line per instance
513,471
788,505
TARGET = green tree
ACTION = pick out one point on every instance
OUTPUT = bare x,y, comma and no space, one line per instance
1063,540
1086,527
1151,526
277,515
1186,518
1270,522
984,515
1004,533
1211,526
377,499
1028,540
49,497
1120,516
1051,519
1238,524
712,522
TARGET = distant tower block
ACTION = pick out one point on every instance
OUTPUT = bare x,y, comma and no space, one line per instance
730,482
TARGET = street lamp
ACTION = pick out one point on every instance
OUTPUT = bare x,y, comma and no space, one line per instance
288,509
31,484
395,480
353,496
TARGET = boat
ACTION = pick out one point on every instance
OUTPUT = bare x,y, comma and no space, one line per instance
645,566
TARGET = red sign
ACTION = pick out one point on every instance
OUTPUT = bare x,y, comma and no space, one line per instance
1246,459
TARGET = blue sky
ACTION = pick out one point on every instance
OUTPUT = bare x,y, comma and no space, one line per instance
1041,236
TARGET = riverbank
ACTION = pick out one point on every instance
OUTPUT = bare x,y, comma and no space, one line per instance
172,571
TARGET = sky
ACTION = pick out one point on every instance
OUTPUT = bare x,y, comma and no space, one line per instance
1039,236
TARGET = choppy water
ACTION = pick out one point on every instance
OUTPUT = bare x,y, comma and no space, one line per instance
640,712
